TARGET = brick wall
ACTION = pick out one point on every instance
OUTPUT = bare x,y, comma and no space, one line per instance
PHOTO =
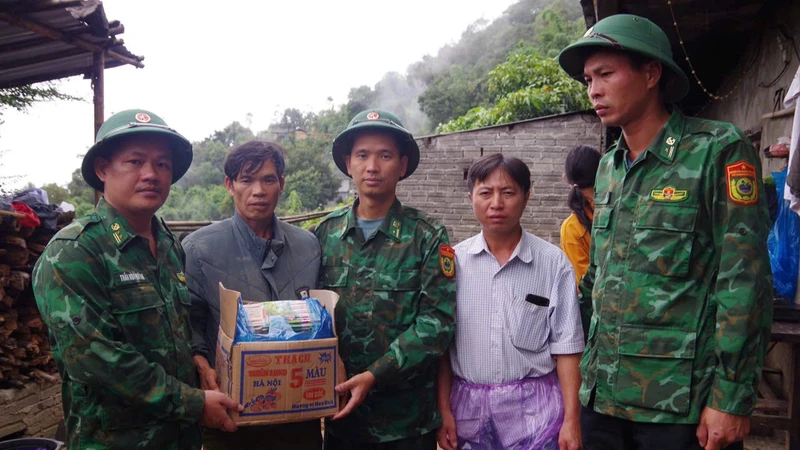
33,411
438,186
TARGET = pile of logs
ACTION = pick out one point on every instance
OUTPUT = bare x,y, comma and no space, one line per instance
24,346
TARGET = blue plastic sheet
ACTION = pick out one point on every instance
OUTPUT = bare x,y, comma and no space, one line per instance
784,243
281,330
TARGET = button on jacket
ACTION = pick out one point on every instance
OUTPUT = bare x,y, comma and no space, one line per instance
395,317
119,328
230,252
679,281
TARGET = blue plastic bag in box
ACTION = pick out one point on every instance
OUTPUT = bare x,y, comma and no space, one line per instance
320,326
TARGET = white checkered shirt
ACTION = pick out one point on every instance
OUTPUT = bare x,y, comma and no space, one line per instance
501,337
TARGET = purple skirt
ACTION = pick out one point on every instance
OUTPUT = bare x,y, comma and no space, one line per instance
521,415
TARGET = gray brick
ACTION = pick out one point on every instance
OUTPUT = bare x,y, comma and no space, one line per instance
438,186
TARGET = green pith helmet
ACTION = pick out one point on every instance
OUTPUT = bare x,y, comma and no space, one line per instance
376,120
135,121
633,34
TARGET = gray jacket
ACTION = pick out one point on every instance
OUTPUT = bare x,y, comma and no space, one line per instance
231,253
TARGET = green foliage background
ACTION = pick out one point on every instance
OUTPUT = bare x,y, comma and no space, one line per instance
497,72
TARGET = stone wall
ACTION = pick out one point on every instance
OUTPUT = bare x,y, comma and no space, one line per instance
33,411
438,186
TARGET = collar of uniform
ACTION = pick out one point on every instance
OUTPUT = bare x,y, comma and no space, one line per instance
259,246
665,145
117,226
521,251
391,226
164,230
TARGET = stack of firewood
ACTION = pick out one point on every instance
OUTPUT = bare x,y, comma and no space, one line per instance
24,346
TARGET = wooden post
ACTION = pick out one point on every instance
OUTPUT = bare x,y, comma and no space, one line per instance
98,67
605,8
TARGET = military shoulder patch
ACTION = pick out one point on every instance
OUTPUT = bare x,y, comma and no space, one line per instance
669,194
447,260
742,184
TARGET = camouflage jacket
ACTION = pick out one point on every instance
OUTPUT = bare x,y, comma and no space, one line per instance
119,329
679,279
395,316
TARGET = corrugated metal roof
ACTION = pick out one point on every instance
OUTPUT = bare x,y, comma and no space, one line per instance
43,40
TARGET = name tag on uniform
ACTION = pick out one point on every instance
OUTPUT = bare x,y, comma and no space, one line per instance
131,277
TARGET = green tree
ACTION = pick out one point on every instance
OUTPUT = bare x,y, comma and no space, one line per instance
293,119
55,193
309,173
359,99
554,31
79,190
330,122
231,136
451,94
291,205
455,78
527,85
23,97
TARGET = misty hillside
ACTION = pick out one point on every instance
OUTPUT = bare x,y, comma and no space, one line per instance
497,72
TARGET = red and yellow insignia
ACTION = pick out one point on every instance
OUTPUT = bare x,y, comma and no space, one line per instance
373,116
447,260
669,194
142,117
742,183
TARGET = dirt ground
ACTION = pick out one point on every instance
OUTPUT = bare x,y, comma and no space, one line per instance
777,442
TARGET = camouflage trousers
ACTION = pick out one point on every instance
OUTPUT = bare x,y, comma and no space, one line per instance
424,442
289,436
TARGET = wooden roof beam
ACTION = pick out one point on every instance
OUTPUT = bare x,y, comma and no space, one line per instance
24,45
60,36
119,29
68,52
605,8
43,5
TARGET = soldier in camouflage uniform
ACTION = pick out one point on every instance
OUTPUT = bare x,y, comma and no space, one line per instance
394,270
111,289
678,294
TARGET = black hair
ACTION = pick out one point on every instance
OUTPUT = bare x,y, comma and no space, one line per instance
250,156
514,167
580,169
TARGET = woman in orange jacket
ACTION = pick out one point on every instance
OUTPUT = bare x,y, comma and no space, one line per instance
580,169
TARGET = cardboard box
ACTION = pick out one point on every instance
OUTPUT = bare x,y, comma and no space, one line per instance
277,382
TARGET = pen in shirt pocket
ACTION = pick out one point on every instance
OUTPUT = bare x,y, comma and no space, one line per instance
537,300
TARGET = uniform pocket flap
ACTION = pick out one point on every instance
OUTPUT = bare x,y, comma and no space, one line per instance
118,417
183,295
660,216
135,298
602,198
334,276
602,217
403,280
650,342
